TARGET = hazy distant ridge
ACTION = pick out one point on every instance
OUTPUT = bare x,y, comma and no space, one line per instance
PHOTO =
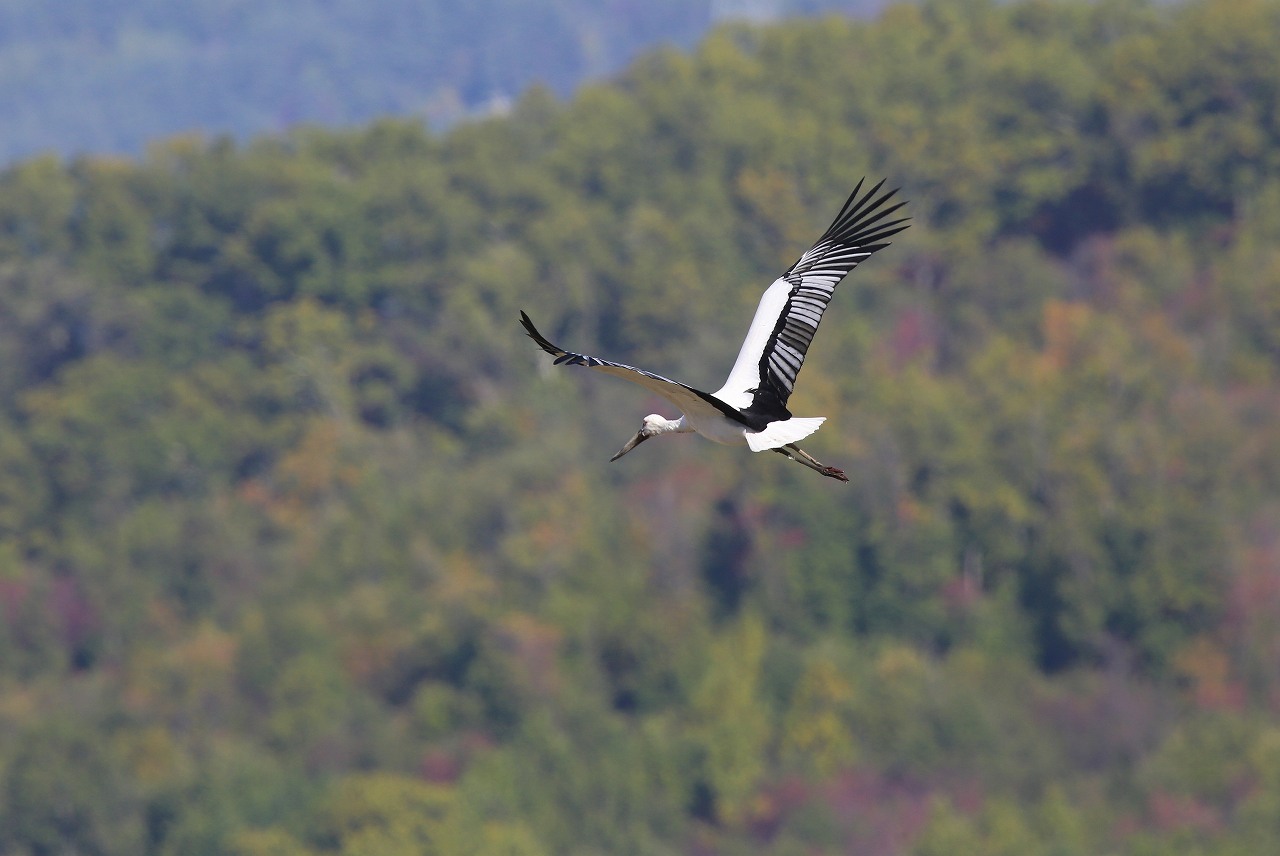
108,75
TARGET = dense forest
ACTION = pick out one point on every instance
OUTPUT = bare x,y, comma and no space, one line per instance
107,76
305,549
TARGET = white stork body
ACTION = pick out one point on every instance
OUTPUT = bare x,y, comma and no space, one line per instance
751,407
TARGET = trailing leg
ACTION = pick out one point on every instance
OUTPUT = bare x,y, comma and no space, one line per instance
795,453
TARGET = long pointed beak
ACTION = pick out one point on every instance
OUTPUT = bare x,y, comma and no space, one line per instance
631,444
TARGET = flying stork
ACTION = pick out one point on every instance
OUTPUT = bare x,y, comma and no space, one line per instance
751,407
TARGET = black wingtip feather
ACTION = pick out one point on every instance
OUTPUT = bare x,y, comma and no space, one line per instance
862,213
879,231
854,205
887,233
852,201
543,342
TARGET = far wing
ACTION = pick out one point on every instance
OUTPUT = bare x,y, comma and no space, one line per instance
791,309
688,399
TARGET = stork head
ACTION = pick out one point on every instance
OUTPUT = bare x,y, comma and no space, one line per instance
652,426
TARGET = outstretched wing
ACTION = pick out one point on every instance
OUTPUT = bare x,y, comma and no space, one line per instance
791,309
690,401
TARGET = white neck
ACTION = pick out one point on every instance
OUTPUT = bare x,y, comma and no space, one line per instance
671,426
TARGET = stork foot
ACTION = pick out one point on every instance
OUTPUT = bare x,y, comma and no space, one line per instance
800,456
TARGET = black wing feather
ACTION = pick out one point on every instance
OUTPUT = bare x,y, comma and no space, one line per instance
859,230
569,358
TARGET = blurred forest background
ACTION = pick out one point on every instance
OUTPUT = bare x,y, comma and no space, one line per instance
305,549
108,76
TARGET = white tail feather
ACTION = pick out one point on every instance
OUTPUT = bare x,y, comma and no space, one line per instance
777,434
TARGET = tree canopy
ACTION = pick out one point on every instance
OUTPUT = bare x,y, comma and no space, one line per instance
304,549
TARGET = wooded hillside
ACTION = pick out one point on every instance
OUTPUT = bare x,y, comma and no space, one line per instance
305,549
